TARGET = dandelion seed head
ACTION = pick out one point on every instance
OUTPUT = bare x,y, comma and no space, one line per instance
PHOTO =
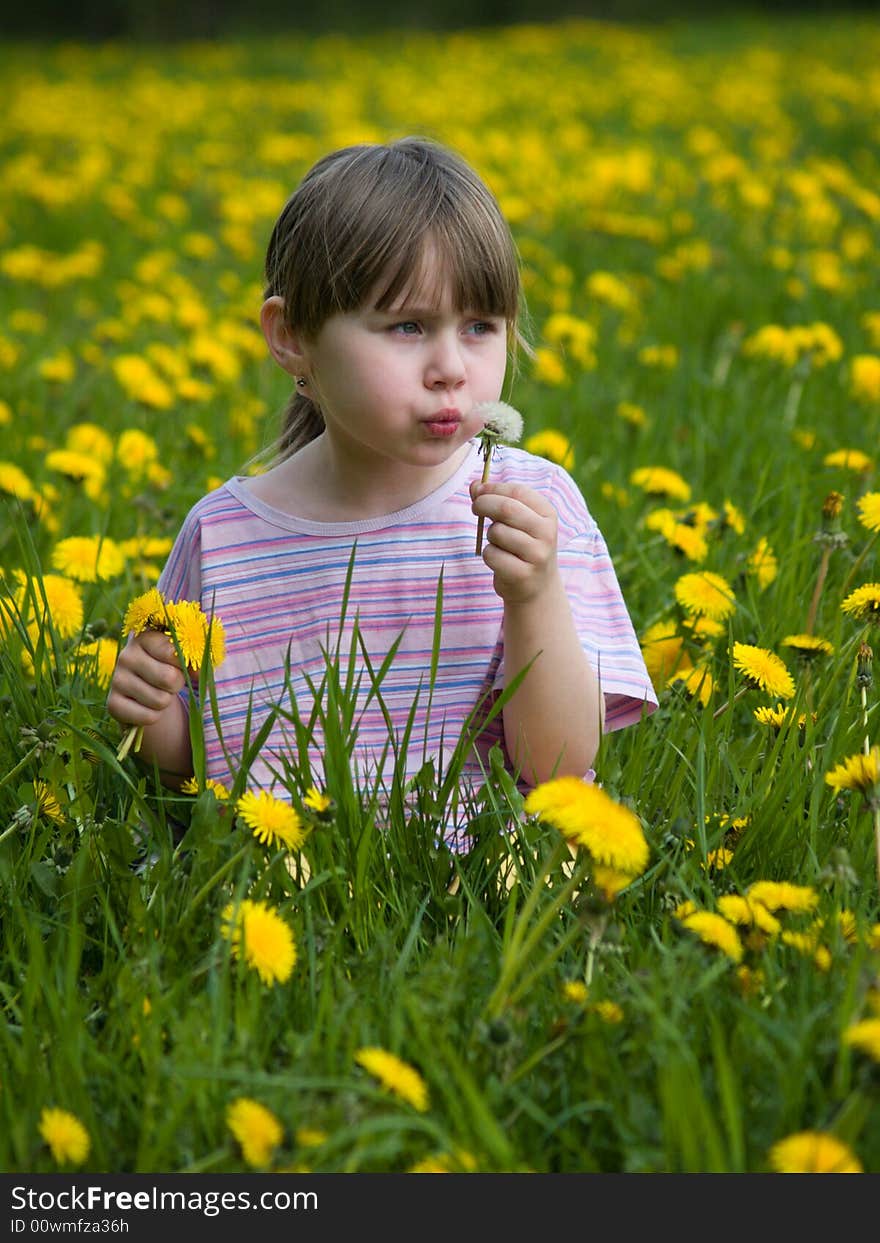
500,422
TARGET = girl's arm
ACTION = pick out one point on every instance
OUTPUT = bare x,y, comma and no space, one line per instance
145,690
553,722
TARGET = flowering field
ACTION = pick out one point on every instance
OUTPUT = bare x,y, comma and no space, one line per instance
212,982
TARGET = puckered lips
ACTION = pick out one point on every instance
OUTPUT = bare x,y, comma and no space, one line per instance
443,423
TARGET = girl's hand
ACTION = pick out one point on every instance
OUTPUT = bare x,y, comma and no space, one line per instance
147,678
520,545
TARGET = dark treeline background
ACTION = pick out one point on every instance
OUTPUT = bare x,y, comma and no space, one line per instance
210,19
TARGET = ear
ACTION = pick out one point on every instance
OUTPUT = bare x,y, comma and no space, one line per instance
285,346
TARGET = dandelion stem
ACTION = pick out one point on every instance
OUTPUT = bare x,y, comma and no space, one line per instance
22,763
730,702
854,568
867,744
131,742
209,884
483,479
817,590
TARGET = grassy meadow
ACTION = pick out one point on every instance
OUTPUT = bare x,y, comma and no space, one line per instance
698,209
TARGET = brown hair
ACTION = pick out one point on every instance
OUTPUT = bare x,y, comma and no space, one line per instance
360,221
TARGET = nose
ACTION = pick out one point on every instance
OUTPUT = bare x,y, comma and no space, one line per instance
445,364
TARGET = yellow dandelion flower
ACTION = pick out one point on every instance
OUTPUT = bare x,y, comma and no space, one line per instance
813,1152
632,414
732,518
88,558
261,939
14,482
749,913
310,1137
864,1036
750,982
395,1076
718,859
762,564
66,1136
808,646
697,683
47,802
776,717
609,1011
864,375
662,356
714,930
99,659
140,382
189,627
78,468
271,820
217,788
576,992
868,507
663,651
548,367
609,881
145,612
660,481
864,603
63,600
702,627
92,440
783,896
849,459
705,593
807,943
551,445
763,670
684,909
136,451
317,801
857,772
256,1128
687,540
586,816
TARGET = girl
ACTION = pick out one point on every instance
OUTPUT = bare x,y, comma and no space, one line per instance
392,300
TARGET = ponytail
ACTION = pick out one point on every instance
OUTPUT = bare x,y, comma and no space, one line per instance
302,422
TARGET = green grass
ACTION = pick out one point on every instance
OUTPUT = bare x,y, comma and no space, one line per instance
754,138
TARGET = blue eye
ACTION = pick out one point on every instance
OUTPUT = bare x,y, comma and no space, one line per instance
407,328
483,327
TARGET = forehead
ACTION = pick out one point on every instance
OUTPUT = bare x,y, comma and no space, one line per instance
427,282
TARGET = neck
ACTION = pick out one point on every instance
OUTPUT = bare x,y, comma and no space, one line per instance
354,489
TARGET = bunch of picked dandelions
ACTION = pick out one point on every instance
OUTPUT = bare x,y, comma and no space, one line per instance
198,640
502,425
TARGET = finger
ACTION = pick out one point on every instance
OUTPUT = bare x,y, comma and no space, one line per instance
529,497
130,711
518,543
514,513
136,665
157,644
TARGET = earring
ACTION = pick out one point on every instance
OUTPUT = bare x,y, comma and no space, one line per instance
301,381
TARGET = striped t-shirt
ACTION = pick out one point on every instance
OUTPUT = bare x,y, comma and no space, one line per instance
277,583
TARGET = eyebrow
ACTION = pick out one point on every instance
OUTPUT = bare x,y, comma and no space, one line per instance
426,312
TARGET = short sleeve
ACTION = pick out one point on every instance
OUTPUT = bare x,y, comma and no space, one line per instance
605,628
181,579
598,608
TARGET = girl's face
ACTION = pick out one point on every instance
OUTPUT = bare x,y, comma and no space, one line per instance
402,383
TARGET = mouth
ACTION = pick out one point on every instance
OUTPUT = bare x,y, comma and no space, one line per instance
443,423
